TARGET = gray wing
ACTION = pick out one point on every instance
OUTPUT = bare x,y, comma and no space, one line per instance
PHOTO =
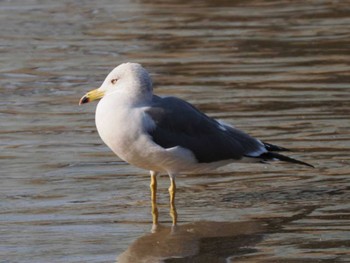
179,123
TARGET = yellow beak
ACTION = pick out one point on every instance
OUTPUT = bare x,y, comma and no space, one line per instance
91,96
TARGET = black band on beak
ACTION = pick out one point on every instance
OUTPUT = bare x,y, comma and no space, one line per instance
83,100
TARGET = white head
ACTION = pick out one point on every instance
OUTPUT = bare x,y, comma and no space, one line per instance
127,78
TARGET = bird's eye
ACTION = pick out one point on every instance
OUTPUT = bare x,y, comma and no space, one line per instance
113,81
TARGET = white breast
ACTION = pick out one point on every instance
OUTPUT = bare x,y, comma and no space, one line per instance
122,128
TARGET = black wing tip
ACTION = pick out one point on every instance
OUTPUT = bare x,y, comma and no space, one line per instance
272,155
271,148
303,163
275,148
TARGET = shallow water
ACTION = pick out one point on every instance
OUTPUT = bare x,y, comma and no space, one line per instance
276,69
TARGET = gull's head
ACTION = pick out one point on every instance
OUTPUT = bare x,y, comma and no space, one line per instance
128,78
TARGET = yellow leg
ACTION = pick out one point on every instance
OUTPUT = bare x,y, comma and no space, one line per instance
153,187
172,191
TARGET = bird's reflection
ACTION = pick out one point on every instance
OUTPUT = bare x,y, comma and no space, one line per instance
195,242
203,241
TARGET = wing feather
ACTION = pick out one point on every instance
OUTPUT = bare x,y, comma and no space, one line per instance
178,123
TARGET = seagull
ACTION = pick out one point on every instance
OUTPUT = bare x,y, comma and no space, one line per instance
168,134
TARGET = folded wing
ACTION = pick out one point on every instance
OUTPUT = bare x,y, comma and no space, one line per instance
179,123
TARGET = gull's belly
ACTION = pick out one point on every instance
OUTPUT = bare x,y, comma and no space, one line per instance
137,148
138,151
